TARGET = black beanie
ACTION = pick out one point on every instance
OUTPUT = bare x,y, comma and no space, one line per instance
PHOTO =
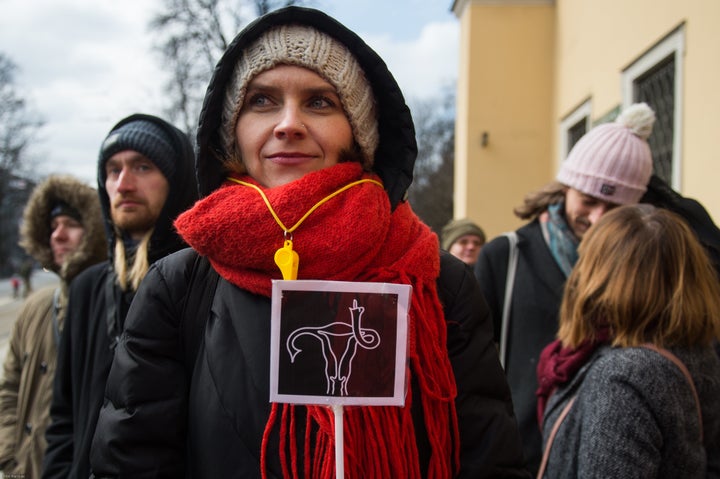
61,208
146,138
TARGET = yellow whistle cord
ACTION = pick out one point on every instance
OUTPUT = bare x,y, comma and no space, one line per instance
286,258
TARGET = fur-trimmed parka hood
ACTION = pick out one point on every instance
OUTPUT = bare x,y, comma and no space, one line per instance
397,149
35,230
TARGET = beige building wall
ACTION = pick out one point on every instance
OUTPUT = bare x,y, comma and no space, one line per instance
598,40
504,105
526,65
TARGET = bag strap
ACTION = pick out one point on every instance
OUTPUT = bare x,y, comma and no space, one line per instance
662,351
551,437
507,300
683,369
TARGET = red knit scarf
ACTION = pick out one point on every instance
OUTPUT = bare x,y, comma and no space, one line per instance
352,237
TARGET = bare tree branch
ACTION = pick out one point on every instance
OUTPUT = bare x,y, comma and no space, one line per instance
431,194
18,128
191,36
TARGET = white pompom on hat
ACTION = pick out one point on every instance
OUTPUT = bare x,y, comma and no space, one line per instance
307,47
613,162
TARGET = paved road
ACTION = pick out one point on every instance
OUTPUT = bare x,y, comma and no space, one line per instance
10,307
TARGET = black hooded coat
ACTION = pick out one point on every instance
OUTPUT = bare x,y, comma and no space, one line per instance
95,315
168,415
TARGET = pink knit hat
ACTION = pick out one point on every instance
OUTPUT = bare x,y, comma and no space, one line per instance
612,162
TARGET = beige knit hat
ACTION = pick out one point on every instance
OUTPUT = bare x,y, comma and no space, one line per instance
613,162
307,47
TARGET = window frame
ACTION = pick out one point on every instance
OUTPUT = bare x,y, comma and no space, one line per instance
580,113
672,45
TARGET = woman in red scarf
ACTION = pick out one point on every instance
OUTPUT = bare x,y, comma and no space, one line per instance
304,142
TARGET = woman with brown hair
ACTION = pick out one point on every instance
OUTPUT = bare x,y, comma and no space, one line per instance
633,380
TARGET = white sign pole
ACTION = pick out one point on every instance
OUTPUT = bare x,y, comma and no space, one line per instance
339,442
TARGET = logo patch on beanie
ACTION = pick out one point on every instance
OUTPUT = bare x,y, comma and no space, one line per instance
607,190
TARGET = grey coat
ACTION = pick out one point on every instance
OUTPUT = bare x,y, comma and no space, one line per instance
635,417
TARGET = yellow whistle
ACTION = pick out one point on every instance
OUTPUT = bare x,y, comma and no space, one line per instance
287,260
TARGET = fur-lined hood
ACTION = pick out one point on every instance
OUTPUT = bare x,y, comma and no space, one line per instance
35,230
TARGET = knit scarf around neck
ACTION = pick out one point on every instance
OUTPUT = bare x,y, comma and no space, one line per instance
353,237
559,364
561,240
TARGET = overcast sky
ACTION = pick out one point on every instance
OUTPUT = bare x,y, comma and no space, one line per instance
85,64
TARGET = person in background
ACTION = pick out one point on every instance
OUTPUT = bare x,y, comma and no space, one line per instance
15,282
609,166
463,239
641,305
62,230
26,271
302,125
145,180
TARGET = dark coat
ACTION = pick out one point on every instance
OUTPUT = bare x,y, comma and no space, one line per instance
206,418
533,319
635,416
661,195
232,368
95,315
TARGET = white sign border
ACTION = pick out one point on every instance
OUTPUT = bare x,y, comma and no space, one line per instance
403,291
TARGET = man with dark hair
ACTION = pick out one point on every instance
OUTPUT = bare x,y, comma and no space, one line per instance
145,180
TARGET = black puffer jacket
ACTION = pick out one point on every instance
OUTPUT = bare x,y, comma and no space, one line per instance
95,315
171,415
233,368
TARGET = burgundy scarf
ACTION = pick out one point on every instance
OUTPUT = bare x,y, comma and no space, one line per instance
558,365
352,237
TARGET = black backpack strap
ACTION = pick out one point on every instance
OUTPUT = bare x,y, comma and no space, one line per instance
196,310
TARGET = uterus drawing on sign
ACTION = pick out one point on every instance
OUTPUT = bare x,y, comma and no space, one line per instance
339,342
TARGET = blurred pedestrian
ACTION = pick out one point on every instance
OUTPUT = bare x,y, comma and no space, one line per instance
62,230
15,283
463,239
26,270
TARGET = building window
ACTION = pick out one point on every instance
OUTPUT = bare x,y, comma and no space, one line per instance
573,127
656,79
657,89
576,132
